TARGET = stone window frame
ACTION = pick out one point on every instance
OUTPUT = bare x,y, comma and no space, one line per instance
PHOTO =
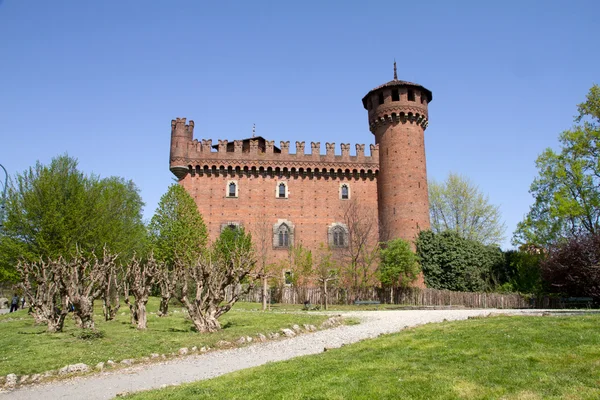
287,192
342,185
237,187
334,228
276,231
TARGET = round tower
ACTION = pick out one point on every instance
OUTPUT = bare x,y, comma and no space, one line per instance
398,118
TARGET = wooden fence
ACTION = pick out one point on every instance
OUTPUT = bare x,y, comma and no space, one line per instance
405,296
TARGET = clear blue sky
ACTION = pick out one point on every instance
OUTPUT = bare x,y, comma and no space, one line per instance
101,80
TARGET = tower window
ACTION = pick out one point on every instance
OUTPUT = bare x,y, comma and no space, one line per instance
380,98
231,189
281,191
395,95
411,95
344,191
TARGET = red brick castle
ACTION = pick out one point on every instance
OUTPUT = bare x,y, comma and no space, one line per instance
301,197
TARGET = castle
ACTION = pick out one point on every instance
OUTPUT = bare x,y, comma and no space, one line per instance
304,198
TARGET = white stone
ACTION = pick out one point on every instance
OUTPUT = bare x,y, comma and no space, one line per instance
154,355
23,379
99,366
288,332
11,381
110,363
261,337
194,348
297,328
127,361
183,351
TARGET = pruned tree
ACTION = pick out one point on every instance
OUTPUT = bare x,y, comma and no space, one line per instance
111,301
227,263
458,205
399,265
177,236
44,292
138,278
84,280
360,253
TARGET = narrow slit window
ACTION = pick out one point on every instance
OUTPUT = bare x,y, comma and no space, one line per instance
395,95
411,95
380,98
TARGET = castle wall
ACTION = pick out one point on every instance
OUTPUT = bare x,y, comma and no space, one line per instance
312,204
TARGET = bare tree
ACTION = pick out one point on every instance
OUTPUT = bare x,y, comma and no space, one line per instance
44,291
227,264
167,282
360,254
263,231
138,278
83,278
110,293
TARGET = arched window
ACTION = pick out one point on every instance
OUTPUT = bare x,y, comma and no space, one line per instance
281,190
283,234
232,189
338,235
344,191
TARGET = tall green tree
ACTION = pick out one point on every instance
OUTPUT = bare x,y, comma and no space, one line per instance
567,190
53,209
177,235
458,205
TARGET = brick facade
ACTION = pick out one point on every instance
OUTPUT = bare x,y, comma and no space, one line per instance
253,183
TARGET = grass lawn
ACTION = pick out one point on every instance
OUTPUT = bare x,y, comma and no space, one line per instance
27,349
525,358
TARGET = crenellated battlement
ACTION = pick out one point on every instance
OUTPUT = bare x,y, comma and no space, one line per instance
187,152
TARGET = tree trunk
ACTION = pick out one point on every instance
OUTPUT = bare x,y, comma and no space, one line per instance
325,294
56,324
206,323
141,314
84,312
163,309
264,293
392,294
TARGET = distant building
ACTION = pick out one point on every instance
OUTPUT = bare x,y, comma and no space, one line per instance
300,197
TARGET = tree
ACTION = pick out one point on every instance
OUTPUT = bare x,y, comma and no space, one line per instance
177,236
458,205
399,265
521,272
453,263
567,190
572,268
326,271
227,263
361,251
138,278
56,210
44,292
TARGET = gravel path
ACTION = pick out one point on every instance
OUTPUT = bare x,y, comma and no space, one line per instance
107,385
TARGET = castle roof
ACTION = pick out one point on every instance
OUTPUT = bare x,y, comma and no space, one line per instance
398,83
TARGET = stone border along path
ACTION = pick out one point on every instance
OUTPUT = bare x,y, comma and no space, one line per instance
107,385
